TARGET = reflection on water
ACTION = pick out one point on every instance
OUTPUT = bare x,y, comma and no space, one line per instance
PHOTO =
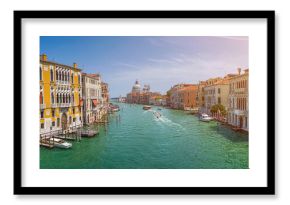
169,139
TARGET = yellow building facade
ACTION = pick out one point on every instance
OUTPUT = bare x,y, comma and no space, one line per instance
238,112
60,97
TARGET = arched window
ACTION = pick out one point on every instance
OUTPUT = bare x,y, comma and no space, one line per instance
40,73
56,75
68,98
57,98
72,78
51,74
63,98
52,97
41,97
72,99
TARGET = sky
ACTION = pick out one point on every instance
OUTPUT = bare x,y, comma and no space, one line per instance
160,61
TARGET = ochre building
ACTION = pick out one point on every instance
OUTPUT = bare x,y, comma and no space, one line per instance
60,96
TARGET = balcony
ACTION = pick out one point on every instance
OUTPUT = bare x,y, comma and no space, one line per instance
239,112
63,104
62,82
42,106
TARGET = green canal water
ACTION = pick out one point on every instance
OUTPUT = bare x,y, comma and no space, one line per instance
136,139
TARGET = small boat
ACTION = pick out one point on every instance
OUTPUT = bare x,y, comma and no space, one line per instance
60,143
89,133
146,107
156,114
115,109
159,108
205,118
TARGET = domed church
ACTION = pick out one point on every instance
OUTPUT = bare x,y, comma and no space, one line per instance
136,88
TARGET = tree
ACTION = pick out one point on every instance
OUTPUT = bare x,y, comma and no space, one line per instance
218,108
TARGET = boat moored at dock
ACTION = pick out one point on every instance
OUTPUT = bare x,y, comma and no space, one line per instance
205,118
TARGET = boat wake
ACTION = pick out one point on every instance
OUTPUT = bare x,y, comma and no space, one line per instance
162,120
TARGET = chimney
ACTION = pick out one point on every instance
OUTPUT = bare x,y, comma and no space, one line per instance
75,65
43,57
239,71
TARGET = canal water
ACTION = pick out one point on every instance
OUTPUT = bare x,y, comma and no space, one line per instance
137,139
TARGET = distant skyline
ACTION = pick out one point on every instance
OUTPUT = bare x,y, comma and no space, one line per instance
160,61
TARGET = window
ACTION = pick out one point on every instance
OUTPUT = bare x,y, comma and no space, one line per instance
53,113
56,75
70,120
41,98
219,100
41,114
51,74
53,123
74,119
73,110
58,122
40,73
72,78
219,90
52,97
42,125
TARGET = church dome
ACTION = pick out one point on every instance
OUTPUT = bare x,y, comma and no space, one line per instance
136,87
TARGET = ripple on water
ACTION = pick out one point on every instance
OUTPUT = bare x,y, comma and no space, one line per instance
141,140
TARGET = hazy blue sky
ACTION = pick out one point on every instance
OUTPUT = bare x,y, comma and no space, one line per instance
155,60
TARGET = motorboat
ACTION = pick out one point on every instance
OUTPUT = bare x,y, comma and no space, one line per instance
159,108
157,114
114,108
60,143
146,107
205,118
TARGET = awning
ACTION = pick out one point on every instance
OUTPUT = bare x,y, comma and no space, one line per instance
95,102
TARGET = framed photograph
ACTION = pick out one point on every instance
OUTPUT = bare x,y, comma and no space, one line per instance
144,102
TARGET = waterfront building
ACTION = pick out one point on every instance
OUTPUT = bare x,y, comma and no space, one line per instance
188,97
201,93
200,101
155,99
176,96
238,99
105,99
141,96
121,99
92,97
60,96
216,92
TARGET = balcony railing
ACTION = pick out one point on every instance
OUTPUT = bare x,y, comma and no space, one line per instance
63,104
42,106
62,82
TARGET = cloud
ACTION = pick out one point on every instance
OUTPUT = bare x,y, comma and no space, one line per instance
237,38
161,74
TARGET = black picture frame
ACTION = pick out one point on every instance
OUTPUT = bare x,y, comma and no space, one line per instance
268,190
